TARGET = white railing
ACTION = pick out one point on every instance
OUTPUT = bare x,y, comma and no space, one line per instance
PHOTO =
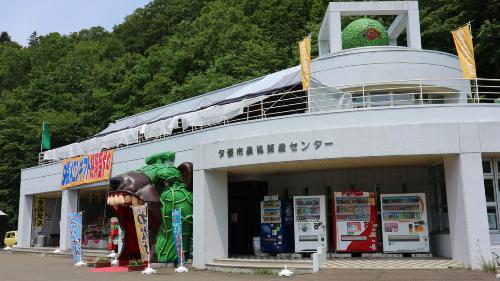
319,99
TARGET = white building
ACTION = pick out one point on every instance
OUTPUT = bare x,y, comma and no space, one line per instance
387,119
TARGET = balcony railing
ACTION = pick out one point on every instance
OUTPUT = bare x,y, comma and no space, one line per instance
390,94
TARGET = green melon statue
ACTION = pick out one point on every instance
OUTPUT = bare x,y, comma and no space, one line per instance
161,172
363,33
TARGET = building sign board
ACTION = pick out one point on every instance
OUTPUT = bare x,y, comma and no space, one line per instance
273,148
86,169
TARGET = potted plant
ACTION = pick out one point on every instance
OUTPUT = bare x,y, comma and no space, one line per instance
135,265
102,262
90,262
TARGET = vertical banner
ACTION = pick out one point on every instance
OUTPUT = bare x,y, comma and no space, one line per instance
177,232
465,50
141,228
305,62
45,136
75,235
39,212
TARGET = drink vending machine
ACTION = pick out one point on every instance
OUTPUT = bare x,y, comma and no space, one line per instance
404,223
355,222
276,225
310,223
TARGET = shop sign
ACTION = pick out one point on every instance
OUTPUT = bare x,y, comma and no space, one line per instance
39,213
273,148
86,169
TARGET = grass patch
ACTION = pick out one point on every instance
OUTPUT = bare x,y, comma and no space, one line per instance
488,266
264,271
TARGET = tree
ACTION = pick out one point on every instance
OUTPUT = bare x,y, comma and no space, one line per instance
4,37
33,39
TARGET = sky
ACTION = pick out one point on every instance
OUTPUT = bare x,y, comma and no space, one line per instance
21,17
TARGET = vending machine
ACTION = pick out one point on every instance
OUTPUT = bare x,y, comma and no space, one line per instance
404,223
355,220
276,226
310,223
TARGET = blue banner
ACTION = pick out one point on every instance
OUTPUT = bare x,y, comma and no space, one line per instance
75,235
177,232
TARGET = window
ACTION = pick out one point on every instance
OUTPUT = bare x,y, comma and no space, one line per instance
489,190
402,99
492,217
491,175
487,167
380,99
438,220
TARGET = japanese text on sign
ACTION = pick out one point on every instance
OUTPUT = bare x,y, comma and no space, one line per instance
39,212
269,149
75,235
141,229
86,169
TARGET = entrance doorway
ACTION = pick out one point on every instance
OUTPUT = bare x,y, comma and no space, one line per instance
46,218
95,215
244,214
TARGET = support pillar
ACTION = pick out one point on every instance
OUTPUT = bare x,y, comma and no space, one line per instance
69,204
469,232
25,221
210,217
413,29
335,30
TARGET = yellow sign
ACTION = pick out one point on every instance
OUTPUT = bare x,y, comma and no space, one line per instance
86,169
141,229
39,212
465,51
305,62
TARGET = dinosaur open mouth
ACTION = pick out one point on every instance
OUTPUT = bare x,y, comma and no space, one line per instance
123,199
122,203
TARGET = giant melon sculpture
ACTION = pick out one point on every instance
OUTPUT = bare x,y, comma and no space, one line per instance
363,33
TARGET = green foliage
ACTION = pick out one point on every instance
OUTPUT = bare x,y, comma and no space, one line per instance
488,266
102,259
171,50
4,37
137,262
264,271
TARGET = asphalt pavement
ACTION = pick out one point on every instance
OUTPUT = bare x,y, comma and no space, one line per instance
30,267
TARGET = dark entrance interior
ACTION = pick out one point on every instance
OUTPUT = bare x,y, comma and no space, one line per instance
244,214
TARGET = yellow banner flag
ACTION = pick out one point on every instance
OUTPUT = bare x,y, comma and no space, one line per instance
465,51
305,62
141,229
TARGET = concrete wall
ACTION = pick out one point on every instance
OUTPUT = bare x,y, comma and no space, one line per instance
377,64
390,179
441,245
210,217
470,241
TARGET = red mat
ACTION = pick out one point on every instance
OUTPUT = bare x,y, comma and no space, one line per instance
110,269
